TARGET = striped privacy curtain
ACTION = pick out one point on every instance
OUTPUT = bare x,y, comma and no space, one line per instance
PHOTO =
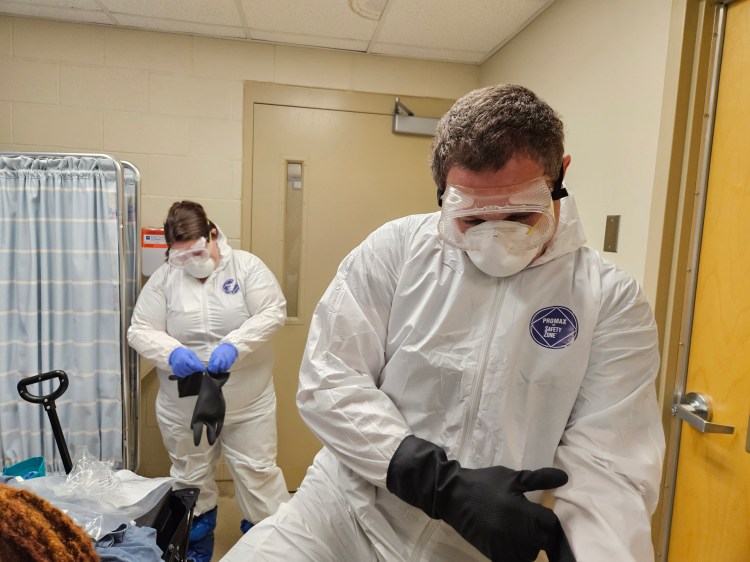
61,305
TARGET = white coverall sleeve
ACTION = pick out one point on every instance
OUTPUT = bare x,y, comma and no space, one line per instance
338,396
148,326
265,302
613,445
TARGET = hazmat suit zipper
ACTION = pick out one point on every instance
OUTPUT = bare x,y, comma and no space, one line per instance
424,538
476,389
476,397
204,300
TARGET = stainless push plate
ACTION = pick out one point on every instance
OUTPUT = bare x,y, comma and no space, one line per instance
611,233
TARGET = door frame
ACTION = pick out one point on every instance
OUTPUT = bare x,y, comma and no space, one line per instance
700,38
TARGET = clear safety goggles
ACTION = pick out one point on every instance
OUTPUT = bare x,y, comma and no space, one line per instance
528,204
198,251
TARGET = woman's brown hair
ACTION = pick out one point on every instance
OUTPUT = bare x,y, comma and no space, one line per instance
186,220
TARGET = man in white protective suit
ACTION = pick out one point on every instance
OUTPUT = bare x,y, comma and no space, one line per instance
465,361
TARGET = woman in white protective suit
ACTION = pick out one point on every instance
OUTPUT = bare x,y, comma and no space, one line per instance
462,362
214,309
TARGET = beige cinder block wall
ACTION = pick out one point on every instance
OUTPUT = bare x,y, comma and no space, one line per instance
613,70
603,66
172,105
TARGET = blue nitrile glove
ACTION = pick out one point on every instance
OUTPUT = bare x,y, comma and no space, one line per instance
222,358
185,362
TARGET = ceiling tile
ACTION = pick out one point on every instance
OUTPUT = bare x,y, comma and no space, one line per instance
427,53
479,25
313,18
180,26
465,31
53,13
77,4
369,9
300,39
217,12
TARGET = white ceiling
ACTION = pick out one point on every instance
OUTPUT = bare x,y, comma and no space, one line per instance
466,31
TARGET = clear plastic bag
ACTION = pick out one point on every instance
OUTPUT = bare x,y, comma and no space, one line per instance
97,498
90,476
90,521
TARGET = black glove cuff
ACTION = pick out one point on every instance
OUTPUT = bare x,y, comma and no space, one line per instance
189,385
414,471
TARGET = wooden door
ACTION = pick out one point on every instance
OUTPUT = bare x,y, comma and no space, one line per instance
355,175
711,514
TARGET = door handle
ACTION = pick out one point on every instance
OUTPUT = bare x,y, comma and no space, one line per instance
696,409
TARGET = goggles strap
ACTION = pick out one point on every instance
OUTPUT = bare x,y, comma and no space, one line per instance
558,191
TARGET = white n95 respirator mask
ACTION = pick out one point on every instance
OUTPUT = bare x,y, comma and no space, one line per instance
501,229
495,256
200,268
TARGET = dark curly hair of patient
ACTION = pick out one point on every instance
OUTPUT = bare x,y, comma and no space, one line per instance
32,529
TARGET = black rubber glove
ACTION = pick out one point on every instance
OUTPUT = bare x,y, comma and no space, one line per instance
210,408
559,549
189,385
485,505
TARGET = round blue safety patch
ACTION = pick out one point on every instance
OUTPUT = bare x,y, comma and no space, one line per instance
230,286
554,327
